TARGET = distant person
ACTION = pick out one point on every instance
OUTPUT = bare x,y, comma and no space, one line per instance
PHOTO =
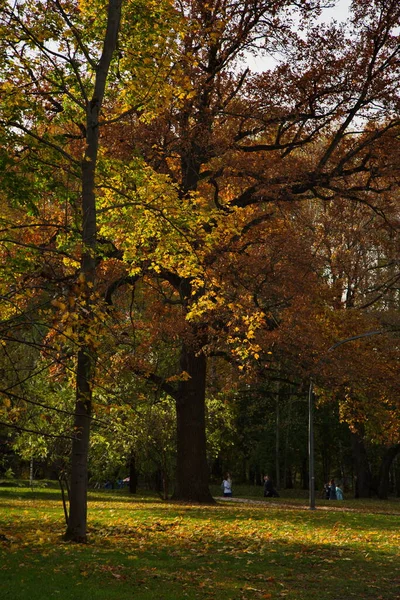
326,491
339,493
269,490
332,490
227,486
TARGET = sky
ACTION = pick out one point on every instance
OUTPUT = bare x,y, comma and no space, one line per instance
339,13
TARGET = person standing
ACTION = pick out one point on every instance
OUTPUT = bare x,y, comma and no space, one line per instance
339,493
227,486
326,491
269,490
332,490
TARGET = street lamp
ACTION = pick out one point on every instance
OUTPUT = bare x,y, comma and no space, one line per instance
311,482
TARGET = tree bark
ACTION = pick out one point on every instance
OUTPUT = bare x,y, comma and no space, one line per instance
77,522
277,437
361,468
192,469
387,460
76,528
133,477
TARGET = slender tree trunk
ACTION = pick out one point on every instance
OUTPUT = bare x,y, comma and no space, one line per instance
396,476
277,438
387,460
304,473
133,478
361,467
77,522
76,529
288,482
165,483
192,469
65,496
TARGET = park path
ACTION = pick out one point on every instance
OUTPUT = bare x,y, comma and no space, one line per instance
267,503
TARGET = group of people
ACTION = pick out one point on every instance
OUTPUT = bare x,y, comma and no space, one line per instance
332,491
269,490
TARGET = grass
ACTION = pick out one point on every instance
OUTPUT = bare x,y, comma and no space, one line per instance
141,548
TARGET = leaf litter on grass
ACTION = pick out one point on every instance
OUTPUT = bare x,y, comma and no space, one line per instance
185,551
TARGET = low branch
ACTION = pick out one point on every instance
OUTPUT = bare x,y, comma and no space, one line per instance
45,434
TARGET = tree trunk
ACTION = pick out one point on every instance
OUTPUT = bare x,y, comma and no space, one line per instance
387,460
287,473
361,467
192,468
288,479
77,522
277,437
76,529
305,476
396,477
133,478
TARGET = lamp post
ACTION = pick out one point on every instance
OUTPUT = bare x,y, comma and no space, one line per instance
311,484
311,414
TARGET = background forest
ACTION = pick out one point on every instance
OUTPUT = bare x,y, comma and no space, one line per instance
184,243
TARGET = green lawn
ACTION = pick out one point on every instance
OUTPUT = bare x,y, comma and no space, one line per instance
143,549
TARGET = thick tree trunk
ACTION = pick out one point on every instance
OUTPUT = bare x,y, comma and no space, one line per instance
361,468
387,460
192,469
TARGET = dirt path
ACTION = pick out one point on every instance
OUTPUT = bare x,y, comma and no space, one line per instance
267,503
333,506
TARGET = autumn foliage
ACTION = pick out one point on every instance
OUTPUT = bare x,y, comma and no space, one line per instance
164,208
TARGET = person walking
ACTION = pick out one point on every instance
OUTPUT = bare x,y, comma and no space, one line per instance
227,486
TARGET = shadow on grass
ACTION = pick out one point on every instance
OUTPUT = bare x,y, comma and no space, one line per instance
54,493
174,552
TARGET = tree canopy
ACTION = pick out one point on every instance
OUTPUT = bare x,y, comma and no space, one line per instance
174,225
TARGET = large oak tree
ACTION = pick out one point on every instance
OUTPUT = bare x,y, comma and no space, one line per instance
236,147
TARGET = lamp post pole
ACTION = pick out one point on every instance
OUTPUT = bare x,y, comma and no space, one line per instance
311,486
311,416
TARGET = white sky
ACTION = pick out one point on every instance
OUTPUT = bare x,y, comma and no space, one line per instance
339,13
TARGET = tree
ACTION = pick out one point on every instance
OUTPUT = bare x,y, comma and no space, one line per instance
211,170
31,51
60,71
230,154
